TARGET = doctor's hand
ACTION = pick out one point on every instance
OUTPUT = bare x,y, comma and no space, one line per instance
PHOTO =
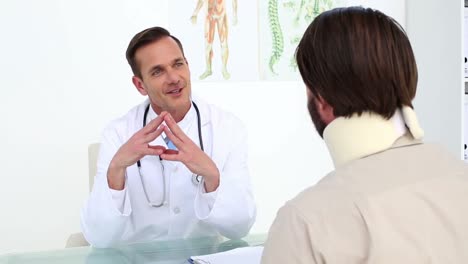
133,150
190,155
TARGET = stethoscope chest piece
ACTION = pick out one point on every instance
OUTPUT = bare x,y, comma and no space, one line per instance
196,179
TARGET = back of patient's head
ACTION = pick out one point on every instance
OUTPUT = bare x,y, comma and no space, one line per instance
358,59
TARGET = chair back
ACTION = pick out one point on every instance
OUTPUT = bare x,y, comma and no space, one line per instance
93,152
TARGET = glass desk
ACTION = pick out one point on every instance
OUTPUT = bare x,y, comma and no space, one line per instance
173,252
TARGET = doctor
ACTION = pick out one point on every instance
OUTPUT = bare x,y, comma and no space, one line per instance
172,167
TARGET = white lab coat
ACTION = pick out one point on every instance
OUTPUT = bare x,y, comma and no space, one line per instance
229,211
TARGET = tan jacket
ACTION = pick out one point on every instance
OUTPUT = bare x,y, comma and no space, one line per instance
404,204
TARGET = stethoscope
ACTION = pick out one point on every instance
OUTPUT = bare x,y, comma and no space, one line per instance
196,179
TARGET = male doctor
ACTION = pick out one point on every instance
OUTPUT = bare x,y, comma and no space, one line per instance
173,167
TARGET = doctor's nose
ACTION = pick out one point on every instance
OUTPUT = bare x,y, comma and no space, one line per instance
173,77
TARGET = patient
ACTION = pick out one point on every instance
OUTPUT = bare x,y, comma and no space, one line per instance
392,198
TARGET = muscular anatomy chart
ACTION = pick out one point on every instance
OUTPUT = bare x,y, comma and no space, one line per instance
216,19
220,37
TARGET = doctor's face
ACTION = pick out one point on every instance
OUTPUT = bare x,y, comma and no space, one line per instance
165,76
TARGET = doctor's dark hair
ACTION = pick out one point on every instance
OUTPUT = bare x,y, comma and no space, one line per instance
358,59
144,38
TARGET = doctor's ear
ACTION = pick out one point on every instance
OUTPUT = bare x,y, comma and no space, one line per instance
139,85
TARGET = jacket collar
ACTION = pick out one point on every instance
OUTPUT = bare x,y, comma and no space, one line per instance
205,113
356,137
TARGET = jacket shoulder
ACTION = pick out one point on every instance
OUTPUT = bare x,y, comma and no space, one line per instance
223,117
126,125
329,196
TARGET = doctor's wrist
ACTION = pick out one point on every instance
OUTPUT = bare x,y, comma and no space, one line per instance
212,182
116,176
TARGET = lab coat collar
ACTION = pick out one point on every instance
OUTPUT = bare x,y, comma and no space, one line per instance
183,124
191,114
205,112
356,137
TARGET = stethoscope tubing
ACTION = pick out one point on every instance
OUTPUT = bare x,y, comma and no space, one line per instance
196,179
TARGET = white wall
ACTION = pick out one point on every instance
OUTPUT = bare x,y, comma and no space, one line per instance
435,31
64,76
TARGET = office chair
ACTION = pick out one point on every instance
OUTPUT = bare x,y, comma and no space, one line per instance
77,239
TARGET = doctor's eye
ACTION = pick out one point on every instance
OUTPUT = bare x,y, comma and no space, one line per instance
157,72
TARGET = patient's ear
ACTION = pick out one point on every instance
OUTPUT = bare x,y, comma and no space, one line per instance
139,85
325,110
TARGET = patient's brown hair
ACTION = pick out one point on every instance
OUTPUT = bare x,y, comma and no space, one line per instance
358,59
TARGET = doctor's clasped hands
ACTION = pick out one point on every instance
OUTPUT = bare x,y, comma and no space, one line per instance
139,146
